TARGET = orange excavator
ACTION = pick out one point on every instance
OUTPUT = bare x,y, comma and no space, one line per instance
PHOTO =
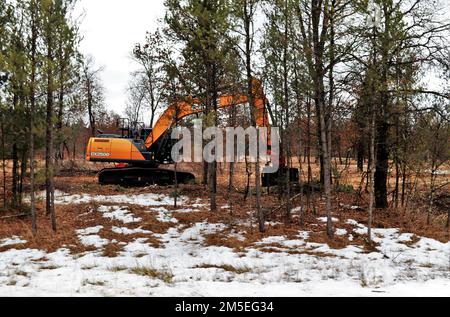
139,152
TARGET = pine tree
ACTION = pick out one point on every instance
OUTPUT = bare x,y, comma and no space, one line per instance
203,29
245,13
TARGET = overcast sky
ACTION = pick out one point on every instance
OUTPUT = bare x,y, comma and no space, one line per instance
110,29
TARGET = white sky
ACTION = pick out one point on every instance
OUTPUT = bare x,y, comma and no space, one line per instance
110,29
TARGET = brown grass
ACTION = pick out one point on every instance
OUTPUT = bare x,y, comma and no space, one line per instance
68,221
336,242
163,275
226,267
73,217
412,242
118,269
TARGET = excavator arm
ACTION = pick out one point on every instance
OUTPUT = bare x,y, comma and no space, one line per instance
181,109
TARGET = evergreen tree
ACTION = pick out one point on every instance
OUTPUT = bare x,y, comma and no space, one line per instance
202,27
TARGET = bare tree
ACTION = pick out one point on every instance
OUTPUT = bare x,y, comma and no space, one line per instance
245,11
434,141
150,82
32,98
92,91
314,28
137,99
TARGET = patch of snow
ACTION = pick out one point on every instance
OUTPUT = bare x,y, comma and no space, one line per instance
303,235
196,233
186,210
119,213
146,200
93,240
164,215
237,236
294,243
324,219
11,241
89,231
270,240
394,269
199,204
350,207
439,172
127,231
341,232
352,222
272,223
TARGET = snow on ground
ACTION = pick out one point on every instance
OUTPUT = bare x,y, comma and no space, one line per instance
164,215
88,231
149,199
94,241
127,231
341,232
185,266
119,213
11,241
324,219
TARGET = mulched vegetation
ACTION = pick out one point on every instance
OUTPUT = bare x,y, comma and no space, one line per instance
239,219
78,216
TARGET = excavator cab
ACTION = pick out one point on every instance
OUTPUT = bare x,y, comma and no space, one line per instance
144,133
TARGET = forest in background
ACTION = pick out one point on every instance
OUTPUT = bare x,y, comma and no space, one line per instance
347,80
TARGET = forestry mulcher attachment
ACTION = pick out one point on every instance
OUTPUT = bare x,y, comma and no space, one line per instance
138,152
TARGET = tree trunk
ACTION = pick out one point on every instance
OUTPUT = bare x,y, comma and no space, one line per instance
23,172
15,159
213,165
448,220
286,112
382,167
249,174
248,17
382,157
432,191
329,109
319,97
205,174
327,176
60,145
300,143
5,199
90,107
371,172
32,111
49,157
308,146
360,155
175,200
232,165
396,193
371,187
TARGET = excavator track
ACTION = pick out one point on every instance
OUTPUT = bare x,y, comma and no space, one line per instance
143,176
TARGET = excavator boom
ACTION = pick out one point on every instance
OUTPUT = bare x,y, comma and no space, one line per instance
179,110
